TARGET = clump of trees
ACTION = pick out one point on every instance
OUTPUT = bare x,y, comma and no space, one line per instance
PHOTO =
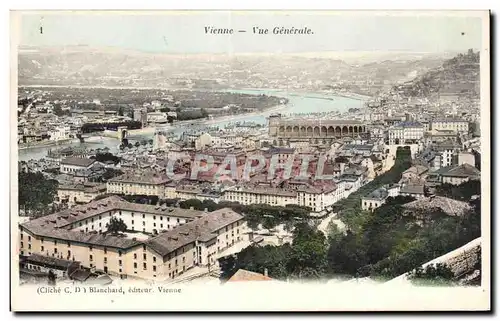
105,157
393,240
115,226
462,192
36,192
433,274
305,258
98,127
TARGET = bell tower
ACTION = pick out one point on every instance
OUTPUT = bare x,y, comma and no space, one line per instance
273,124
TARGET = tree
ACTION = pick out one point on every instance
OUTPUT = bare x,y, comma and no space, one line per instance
116,225
137,144
144,142
51,278
35,191
194,203
120,111
150,142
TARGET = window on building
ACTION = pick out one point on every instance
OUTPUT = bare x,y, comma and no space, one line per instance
161,225
178,221
143,216
132,214
132,222
161,218
29,246
55,250
29,238
144,266
135,265
41,248
90,248
105,250
105,260
154,258
135,256
144,256
154,217
144,247
22,244
154,268
91,258
143,223
120,262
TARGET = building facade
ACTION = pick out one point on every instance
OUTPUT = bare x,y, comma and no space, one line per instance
145,183
456,125
79,193
67,236
314,131
405,133
73,165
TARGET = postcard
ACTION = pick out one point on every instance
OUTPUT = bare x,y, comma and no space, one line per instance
250,161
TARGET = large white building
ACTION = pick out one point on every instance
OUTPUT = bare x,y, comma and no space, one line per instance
186,238
73,165
453,124
405,133
140,183
60,133
317,198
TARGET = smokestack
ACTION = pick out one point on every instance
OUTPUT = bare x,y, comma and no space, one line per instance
265,272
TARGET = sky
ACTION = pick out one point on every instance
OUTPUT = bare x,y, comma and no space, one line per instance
183,32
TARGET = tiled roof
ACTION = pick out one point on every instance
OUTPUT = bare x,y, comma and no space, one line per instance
146,177
412,189
448,205
77,161
203,229
464,170
378,194
244,275
50,261
57,225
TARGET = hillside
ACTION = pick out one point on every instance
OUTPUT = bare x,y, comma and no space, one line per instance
457,76
81,65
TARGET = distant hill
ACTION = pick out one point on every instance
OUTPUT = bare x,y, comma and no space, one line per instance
82,65
457,76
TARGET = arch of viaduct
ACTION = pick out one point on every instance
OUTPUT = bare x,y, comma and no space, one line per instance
306,131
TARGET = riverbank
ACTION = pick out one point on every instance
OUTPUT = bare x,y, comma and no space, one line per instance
273,90
311,103
48,143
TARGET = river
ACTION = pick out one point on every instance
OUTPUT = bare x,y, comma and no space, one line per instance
297,103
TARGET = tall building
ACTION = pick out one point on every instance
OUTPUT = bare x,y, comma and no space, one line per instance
141,114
